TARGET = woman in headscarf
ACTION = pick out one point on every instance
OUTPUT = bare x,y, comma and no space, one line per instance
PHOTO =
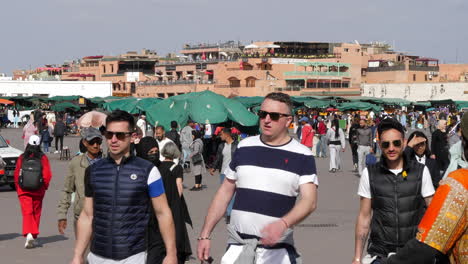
172,176
148,149
439,145
197,163
29,129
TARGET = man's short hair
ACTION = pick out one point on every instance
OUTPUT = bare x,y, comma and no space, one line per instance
281,97
390,123
226,131
174,124
121,116
170,151
160,127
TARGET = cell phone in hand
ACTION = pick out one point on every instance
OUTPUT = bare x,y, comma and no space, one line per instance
208,261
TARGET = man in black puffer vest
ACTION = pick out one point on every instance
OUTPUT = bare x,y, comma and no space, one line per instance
119,191
394,193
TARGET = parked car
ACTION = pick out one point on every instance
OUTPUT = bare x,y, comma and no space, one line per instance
9,155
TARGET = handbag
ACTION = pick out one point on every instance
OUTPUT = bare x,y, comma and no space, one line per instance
197,158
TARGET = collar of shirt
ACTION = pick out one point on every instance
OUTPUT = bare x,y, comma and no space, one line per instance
421,160
92,161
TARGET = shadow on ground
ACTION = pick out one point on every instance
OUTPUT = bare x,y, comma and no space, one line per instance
9,236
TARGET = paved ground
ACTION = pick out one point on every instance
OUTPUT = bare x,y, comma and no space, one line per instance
327,236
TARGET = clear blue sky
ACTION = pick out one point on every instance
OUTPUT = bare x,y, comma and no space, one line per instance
34,33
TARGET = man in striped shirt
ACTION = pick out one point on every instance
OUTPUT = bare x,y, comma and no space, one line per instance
267,173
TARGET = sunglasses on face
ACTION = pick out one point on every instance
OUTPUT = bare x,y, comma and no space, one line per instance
95,141
118,135
273,115
386,144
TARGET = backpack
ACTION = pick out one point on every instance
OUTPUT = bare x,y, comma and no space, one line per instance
30,177
175,137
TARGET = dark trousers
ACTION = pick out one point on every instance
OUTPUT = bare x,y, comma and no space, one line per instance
198,179
57,138
354,151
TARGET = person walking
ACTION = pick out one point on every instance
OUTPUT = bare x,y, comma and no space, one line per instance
186,140
74,180
336,144
119,190
59,133
174,135
45,136
307,134
16,117
418,149
265,208
28,130
226,150
172,176
353,138
160,135
322,138
197,163
364,142
458,150
31,182
439,146
141,123
394,193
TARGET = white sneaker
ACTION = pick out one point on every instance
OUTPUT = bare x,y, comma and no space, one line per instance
55,152
29,241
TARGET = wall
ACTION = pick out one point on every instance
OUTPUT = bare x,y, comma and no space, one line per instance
417,91
453,72
30,88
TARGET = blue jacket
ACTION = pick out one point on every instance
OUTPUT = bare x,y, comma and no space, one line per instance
121,206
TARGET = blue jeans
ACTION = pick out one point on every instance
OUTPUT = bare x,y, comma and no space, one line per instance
321,149
231,203
45,144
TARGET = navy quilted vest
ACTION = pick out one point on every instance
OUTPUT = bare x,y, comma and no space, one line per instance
121,207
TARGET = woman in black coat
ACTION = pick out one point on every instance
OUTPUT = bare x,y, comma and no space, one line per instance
418,149
440,146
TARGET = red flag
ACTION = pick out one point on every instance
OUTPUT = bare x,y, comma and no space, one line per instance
241,65
203,56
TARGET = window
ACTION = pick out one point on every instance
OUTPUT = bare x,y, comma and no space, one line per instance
250,82
132,87
358,50
346,50
425,77
414,77
104,68
234,82
112,68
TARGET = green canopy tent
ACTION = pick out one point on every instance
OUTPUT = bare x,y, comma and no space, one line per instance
202,107
64,98
358,106
127,104
146,103
461,104
66,106
250,101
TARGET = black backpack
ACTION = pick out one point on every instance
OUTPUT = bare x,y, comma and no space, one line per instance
175,137
30,177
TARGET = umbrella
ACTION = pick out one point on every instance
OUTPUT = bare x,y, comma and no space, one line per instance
251,46
202,107
331,109
6,102
92,119
271,46
64,107
358,106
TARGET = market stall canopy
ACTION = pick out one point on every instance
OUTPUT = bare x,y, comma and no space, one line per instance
250,101
461,104
66,106
422,103
358,106
146,103
127,104
6,102
202,107
64,98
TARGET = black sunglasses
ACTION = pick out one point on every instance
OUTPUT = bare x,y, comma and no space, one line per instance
386,144
273,115
119,135
95,141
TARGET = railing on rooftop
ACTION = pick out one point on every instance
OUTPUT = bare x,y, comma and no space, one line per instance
288,89
226,45
176,82
386,68
313,73
423,68
292,56
193,62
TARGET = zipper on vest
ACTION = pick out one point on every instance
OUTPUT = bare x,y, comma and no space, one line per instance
395,182
116,185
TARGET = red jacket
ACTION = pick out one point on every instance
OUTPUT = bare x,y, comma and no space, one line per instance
322,128
307,135
46,174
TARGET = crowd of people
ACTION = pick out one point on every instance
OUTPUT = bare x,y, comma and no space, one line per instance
129,206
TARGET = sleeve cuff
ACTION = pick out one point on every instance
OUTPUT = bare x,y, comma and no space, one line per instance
230,174
308,179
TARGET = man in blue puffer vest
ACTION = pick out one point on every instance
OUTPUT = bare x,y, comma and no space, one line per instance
119,191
